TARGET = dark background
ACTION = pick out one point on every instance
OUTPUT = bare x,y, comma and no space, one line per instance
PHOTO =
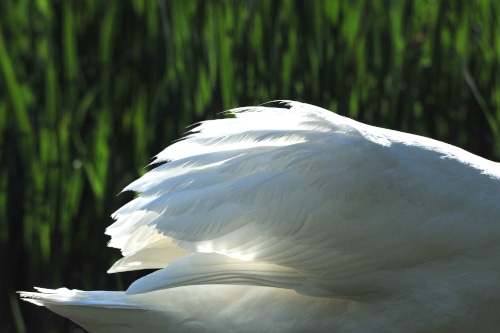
91,90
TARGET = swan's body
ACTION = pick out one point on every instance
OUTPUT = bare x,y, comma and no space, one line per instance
302,220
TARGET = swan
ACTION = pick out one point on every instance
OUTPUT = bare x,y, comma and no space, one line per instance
286,217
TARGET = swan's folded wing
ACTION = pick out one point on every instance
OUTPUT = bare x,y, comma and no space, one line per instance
333,204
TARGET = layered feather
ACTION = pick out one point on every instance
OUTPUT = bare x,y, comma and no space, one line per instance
337,203
292,196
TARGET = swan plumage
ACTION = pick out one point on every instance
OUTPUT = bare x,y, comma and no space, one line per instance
339,225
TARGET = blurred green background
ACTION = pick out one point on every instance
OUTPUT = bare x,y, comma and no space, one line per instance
90,90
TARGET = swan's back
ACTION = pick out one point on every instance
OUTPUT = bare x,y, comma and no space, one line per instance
369,229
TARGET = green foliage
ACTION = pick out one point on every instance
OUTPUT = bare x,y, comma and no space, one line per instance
90,90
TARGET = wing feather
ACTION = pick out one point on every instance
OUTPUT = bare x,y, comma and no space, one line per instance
300,198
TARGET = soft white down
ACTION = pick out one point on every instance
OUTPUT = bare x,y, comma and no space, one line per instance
294,219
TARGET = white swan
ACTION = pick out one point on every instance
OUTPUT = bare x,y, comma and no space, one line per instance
292,218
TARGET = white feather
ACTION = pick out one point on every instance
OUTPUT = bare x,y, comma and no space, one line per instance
300,198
